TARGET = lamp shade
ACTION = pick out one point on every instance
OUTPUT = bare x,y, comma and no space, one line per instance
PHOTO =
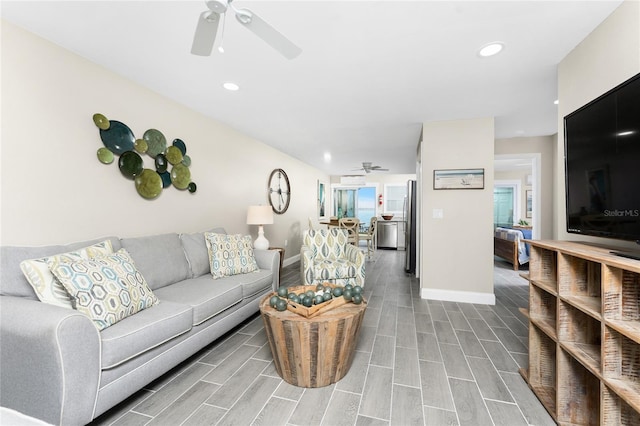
259,215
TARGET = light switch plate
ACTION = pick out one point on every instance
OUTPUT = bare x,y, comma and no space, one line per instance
438,213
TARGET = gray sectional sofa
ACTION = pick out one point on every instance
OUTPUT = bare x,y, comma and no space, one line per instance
56,366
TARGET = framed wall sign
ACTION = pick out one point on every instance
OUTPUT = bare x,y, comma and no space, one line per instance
458,179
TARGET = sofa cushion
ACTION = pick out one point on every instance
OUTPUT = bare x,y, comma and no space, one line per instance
195,248
144,331
12,280
160,258
46,285
107,289
230,254
254,283
206,296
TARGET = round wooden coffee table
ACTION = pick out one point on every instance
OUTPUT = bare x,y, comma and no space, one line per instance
312,352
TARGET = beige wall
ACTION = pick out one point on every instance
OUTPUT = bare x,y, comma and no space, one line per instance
545,146
606,58
54,190
457,250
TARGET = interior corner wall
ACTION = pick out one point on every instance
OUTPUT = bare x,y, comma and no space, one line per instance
457,250
54,190
604,59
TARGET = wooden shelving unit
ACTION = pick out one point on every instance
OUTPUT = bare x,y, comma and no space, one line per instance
584,333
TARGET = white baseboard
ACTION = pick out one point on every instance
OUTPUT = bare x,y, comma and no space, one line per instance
458,296
291,260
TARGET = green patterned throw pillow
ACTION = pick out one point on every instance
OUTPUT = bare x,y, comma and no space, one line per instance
106,289
46,285
230,254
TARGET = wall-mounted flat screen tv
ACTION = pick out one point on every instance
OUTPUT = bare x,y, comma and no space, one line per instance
602,164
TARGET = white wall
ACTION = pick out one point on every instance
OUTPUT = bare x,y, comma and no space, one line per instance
54,190
457,250
606,58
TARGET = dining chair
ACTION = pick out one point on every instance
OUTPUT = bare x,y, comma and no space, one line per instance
370,236
352,225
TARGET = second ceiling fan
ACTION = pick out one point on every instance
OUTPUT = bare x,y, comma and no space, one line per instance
207,29
368,167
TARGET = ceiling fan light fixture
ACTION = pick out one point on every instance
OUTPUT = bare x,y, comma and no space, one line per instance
244,16
218,6
231,86
491,49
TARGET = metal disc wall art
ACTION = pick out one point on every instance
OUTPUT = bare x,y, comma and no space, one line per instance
170,163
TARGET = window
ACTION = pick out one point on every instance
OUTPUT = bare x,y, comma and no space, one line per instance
355,202
394,198
506,206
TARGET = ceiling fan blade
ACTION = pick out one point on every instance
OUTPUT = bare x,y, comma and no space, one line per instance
205,34
266,32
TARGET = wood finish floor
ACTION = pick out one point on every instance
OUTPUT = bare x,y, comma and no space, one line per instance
417,362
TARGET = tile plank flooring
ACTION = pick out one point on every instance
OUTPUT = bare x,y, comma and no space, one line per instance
418,362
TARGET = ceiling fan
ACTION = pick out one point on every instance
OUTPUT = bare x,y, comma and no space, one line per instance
368,168
207,29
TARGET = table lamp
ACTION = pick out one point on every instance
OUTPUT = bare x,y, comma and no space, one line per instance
260,215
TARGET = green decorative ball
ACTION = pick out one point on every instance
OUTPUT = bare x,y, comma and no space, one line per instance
273,301
283,291
347,294
357,298
281,305
337,292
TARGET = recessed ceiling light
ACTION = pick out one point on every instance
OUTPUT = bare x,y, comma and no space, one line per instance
556,102
491,49
327,156
231,86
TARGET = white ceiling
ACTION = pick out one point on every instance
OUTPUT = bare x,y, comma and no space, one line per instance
371,72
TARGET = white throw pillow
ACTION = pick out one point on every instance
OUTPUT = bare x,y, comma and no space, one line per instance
46,285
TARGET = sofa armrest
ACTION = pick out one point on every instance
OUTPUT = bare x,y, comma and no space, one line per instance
269,260
49,361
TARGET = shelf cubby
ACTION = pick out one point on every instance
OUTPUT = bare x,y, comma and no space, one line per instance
622,301
615,411
542,310
581,335
542,368
621,366
579,280
542,268
578,393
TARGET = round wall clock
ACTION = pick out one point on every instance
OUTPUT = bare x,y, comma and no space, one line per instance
279,192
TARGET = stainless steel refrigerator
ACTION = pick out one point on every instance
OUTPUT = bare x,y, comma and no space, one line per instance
410,227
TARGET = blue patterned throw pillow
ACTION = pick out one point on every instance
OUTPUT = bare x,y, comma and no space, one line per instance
106,289
230,254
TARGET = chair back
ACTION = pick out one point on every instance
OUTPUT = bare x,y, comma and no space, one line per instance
327,243
352,225
372,226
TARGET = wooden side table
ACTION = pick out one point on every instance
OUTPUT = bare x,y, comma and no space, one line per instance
312,352
281,251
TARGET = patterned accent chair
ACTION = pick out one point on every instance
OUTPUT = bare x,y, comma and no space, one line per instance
326,255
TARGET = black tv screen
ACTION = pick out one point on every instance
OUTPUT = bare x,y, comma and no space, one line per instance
602,164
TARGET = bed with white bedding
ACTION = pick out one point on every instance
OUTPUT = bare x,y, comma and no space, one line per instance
508,243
